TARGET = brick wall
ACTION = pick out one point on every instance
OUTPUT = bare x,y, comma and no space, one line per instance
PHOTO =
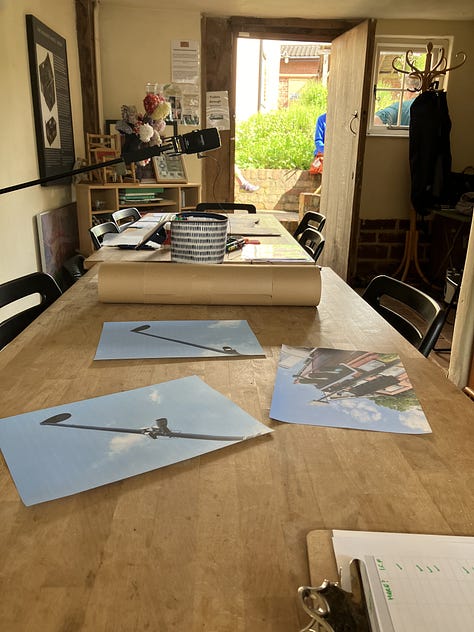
381,246
279,188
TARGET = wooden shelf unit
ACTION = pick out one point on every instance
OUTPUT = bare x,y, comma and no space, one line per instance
96,202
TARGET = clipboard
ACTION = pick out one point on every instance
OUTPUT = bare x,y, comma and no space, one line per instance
330,608
426,577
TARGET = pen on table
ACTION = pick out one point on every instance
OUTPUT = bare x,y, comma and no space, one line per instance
235,245
252,241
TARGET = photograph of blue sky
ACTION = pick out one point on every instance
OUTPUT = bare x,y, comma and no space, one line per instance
346,389
177,339
141,430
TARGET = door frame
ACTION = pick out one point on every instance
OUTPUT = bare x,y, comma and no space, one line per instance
219,59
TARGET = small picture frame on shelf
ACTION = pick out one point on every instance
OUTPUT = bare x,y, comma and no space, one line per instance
146,174
169,168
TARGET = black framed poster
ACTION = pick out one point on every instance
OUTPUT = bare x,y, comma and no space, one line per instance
51,100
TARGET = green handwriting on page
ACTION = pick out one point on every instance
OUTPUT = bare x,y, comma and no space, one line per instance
412,593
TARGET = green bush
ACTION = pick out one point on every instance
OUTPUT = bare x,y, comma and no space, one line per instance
282,139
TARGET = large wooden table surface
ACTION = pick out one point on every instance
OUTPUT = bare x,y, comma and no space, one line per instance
264,222
217,543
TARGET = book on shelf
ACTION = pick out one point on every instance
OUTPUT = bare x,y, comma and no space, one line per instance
146,199
137,191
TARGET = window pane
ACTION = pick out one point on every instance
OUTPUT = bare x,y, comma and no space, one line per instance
388,76
386,107
394,89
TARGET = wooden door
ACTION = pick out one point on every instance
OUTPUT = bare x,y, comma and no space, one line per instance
348,103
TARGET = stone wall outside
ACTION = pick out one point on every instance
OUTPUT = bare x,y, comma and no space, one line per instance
279,188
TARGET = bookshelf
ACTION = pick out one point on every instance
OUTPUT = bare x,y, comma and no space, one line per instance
96,202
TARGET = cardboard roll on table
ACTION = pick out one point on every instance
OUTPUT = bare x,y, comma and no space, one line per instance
173,283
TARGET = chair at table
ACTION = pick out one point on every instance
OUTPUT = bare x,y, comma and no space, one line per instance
97,232
453,285
414,314
72,270
225,207
130,215
313,220
36,283
312,241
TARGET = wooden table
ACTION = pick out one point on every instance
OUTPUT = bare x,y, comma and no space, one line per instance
217,543
263,222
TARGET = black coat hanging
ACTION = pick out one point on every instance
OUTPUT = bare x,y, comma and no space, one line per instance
429,147
430,151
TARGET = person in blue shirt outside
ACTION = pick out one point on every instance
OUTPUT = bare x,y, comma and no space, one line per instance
389,115
319,137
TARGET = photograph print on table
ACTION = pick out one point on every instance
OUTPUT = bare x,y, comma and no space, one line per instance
74,447
339,388
177,339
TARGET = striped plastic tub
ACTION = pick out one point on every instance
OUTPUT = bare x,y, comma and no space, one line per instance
198,238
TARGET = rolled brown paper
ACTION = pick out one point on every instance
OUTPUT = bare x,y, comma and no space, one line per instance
201,284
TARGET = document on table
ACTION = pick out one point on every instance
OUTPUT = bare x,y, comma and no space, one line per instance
247,225
412,582
130,237
282,253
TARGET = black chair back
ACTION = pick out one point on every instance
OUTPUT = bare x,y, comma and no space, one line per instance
414,314
125,216
312,241
310,219
97,232
72,270
36,283
225,207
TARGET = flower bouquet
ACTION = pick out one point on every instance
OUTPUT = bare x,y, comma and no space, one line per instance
141,130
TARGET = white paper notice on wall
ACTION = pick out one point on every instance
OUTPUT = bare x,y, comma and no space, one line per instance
217,110
184,61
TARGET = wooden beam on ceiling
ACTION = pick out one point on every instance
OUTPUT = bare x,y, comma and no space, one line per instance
303,30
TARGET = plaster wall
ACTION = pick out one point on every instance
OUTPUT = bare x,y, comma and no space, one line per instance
18,157
135,48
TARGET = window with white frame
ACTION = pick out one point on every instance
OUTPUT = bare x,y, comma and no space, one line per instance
395,90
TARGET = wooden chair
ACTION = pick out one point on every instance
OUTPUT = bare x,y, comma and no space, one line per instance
100,148
225,207
312,241
414,314
97,233
129,214
37,283
310,218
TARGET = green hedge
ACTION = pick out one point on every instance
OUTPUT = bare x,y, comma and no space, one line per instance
282,139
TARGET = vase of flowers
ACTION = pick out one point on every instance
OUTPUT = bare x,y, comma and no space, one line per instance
144,129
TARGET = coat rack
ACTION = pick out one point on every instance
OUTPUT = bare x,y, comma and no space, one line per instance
427,80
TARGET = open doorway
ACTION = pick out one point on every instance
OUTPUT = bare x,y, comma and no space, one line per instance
280,91
352,46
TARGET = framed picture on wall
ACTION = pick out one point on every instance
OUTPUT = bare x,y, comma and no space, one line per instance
170,168
58,238
51,100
